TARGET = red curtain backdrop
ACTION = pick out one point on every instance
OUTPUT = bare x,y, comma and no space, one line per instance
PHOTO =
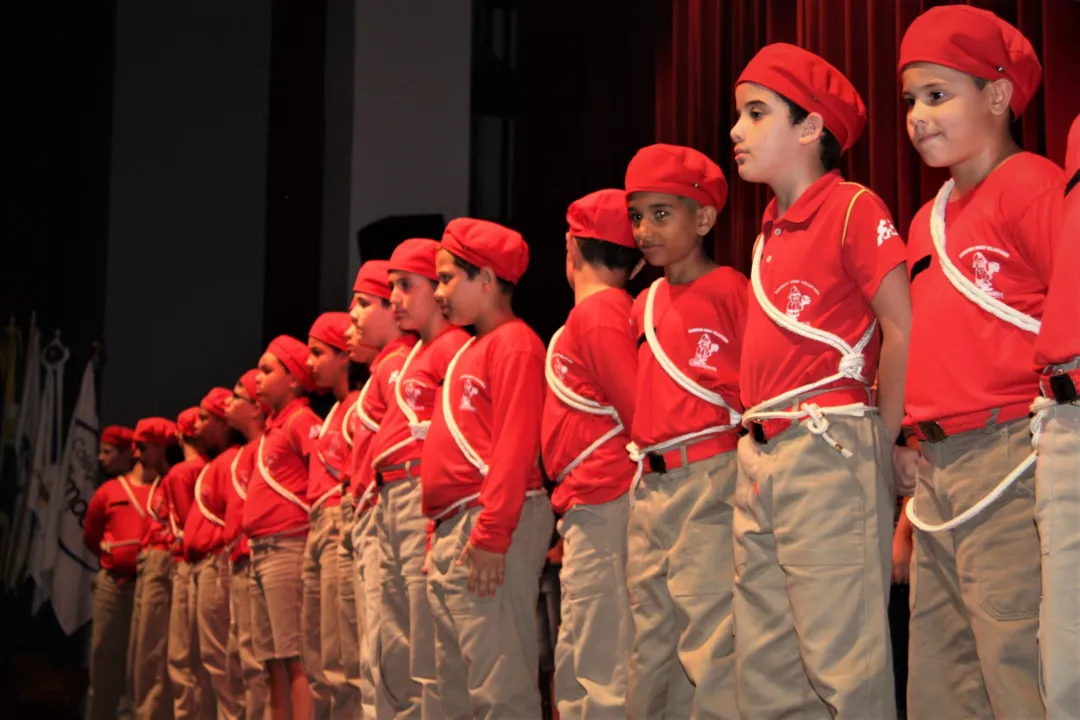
710,41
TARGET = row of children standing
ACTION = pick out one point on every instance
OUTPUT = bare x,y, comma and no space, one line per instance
735,563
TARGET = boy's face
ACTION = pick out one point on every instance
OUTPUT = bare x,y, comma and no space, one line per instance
211,429
461,298
949,119
240,408
358,352
765,139
412,300
273,383
668,228
113,460
151,455
327,364
373,319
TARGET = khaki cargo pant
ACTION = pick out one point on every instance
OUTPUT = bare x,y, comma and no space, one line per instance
487,653
256,688
406,632
348,623
366,593
277,596
813,561
193,696
111,611
597,629
975,591
679,574
333,696
148,649
212,579
1057,515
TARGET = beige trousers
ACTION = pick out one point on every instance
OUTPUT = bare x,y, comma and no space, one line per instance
975,591
152,697
332,694
277,595
813,554
193,696
679,574
212,579
487,655
406,632
366,593
597,630
111,612
1057,515
254,681
348,624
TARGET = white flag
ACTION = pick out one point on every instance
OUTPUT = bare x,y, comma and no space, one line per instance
18,540
73,566
45,471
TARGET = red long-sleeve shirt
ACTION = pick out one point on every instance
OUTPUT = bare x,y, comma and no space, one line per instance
115,523
331,457
203,535
158,536
497,398
179,487
236,493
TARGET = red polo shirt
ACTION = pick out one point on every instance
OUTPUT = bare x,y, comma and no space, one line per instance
594,357
235,494
331,457
116,515
497,397
418,384
819,274
202,535
380,394
963,360
157,535
286,452
700,327
179,486
1059,339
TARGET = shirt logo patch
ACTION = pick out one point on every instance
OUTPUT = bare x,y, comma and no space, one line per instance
469,388
885,230
985,266
412,391
394,376
797,297
313,431
562,365
707,346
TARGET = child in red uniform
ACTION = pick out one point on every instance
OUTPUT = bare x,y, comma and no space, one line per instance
328,362
587,415
187,676
113,529
980,257
815,500
1057,474
115,453
148,679
482,483
275,520
406,633
373,320
247,415
688,327
204,548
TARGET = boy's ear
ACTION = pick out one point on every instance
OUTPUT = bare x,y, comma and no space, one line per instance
1000,94
706,219
812,127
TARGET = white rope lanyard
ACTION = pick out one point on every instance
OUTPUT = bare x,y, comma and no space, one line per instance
207,513
274,484
333,471
1003,312
852,362
358,408
241,491
582,404
637,453
417,429
150,500
108,545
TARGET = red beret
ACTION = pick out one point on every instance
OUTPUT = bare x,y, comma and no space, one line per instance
372,279
484,243
811,83
156,431
976,42
215,400
293,354
601,216
416,256
1072,149
330,328
185,422
118,436
247,381
677,170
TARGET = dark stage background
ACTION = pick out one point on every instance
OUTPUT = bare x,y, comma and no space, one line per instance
563,93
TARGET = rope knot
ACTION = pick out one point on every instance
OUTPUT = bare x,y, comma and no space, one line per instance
851,366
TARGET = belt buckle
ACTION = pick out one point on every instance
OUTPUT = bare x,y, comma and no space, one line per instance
1062,388
757,430
657,464
932,431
